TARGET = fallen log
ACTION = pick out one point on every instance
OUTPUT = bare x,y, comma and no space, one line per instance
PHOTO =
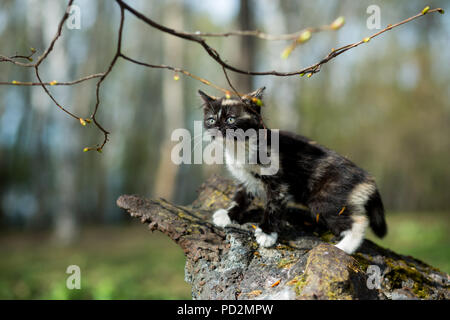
228,264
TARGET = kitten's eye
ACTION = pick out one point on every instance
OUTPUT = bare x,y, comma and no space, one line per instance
211,121
231,120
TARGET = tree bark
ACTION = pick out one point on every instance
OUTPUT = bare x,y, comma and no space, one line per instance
228,264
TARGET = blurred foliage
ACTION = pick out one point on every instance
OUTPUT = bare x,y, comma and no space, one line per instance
116,263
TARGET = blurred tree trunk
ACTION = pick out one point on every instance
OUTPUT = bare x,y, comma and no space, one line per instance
245,56
64,199
173,102
3,184
247,46
66,225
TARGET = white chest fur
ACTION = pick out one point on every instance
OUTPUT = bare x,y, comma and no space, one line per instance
243,173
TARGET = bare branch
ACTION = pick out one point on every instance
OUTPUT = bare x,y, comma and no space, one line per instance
28,57
17,63
36,69
335,25
99,83
230,84
45,55
52,83
56,37
198,37
215,55
176,70
47,51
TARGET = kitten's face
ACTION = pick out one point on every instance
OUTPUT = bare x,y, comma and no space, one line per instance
224,114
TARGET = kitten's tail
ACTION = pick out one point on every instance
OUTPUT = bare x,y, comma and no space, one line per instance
375,210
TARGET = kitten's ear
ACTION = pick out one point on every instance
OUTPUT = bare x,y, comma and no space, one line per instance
206,98
257,93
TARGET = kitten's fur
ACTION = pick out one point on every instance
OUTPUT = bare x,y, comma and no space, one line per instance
339,194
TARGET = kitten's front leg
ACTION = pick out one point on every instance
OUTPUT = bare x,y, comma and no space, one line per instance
266,235
241,201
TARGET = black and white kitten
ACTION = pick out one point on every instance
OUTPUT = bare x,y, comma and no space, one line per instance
338,194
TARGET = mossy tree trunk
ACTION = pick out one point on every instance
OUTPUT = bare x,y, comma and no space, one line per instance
228,264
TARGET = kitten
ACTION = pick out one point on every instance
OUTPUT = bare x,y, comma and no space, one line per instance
337,193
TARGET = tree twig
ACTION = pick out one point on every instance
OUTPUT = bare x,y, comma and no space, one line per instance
215,55
197,37
52,83
176,70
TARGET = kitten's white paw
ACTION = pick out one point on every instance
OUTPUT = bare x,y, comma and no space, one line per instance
221,218
264,239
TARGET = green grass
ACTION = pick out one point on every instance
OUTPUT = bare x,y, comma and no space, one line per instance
115,263
425,236
132,263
